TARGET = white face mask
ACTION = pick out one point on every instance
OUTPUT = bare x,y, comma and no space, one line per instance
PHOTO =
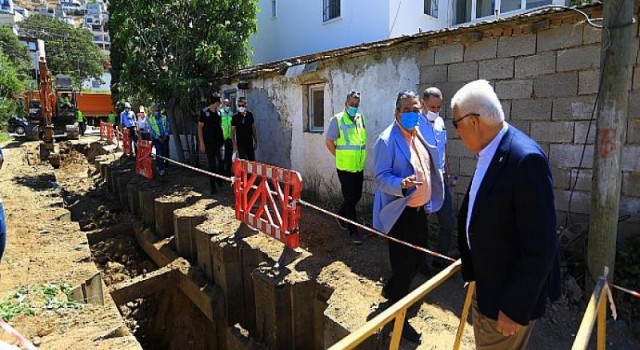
242,109
432,116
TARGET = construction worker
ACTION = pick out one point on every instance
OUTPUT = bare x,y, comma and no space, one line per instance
227,116
81,124
210,138
128,121
159,126
243,128
346,139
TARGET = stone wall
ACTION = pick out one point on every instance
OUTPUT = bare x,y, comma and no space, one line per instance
547,81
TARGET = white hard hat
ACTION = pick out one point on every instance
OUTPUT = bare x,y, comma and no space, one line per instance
127,105
141,109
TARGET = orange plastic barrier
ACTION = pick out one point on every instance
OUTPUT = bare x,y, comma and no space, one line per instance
144,165
126,141
267,199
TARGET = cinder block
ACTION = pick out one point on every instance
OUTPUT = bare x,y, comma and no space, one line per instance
588,82
634,105
496,69
426,57
573,108
521,45
449,88
582,179
556,85
455,148
450,53
531,109
481,50
466,71
506,108
522,125
631,184
536,65
633,131
561,178
580,201
555,132
433,74
631,158
463,184
630,206
591,35
559,38
514,89
586,57
580,132
568,156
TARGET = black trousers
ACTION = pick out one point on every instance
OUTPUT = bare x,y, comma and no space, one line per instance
246,152
411,227
214,158
83,127
351,185
134,139
228,155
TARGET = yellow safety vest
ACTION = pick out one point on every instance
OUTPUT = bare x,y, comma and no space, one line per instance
226,123
351,145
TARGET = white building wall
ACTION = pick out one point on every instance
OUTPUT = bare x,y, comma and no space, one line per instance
405,17
298,29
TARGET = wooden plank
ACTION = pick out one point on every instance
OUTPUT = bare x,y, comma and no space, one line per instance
589,318
465,313
144,285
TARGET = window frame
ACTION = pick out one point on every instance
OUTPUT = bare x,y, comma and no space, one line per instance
326,10
429,9
498,4
311,127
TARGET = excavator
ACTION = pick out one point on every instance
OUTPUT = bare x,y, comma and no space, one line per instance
57,111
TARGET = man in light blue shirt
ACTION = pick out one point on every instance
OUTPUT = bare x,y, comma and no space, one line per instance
433,130
128,121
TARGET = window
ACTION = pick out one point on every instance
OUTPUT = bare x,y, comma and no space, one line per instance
431,8
331,10
274,8
470,10
32,46
315,108
232,96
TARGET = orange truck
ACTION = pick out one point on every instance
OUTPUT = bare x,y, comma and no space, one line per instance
95,106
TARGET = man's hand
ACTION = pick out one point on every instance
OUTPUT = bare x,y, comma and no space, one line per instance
201,147
507,326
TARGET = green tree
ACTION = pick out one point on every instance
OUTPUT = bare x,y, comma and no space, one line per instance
16,52
69,50
174,50
10,86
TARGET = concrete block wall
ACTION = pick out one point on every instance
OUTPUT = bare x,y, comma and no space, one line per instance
547,81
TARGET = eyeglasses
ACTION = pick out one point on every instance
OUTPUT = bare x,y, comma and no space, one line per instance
455,122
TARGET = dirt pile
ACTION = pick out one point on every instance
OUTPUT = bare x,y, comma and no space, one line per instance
120,258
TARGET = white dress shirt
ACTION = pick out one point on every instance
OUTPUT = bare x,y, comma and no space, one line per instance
484,159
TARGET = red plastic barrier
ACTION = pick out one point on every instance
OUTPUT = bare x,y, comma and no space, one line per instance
103,131
126,141
143,159
272,207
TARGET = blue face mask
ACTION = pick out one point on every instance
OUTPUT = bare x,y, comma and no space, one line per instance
352,111
409,120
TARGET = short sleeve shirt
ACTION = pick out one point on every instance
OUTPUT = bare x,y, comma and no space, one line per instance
244,129
212,130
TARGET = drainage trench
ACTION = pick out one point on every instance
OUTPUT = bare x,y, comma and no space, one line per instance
186,274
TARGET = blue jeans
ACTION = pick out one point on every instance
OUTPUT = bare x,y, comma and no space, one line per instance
160,150
3,231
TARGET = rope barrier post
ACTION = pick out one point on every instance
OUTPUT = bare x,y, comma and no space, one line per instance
602,320
471,289
398,325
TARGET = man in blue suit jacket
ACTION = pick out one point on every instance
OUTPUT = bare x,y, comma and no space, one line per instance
407,182
507,222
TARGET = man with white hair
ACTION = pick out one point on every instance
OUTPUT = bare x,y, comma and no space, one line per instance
507,222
